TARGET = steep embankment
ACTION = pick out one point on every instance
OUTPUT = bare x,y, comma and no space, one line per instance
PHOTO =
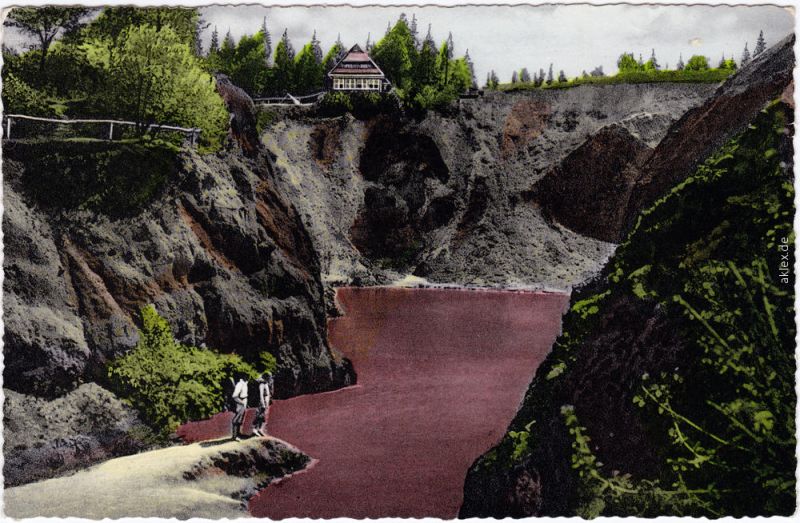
447,198
208,480
599,189
671,390
95,231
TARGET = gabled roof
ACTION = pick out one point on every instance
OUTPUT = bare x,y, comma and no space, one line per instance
357,62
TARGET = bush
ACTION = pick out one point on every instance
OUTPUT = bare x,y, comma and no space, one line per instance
170,383
21,98
335,103
153,78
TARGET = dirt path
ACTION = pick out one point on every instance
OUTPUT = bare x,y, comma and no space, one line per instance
441,373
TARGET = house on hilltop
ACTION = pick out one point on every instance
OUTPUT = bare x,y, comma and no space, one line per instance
356,71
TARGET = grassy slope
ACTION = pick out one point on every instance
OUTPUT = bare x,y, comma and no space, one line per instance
705,259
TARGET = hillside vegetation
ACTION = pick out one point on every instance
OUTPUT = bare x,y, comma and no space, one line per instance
671,389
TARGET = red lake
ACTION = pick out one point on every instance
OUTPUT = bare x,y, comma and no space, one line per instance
441,373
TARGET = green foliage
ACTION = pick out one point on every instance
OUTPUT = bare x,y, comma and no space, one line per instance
722,422
627,63
21,98
697,63
707,252
283,72
112,178
245,64
264,118
335,103
634,76
394,54
170,383
308,70
154,78
45,24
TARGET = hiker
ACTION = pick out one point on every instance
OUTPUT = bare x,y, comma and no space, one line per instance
265,385
240,398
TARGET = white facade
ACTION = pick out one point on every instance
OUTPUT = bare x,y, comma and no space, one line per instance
351,83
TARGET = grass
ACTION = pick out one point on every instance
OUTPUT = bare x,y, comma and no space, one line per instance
632,77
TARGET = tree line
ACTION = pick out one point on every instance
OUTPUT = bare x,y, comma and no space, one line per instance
635,69
421,71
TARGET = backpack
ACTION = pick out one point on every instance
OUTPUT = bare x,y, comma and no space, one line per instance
227,393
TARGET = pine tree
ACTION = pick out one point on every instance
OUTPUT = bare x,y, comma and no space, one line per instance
413,28
745,56
562,77
340,45
214,45
227,42
316,48
640,62
722,62
514,77
540,78
680,65
445,56
227,52
267,41
368,45
761,45
495,80
471,67
653,62
488,81
283,69
333,56
550,75
308,72
424,66
524,76
200,26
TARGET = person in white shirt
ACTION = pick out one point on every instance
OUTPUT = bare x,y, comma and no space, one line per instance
240,399
264,399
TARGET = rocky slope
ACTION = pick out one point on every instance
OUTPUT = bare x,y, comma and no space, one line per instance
600,188
691,321
209,480
208,240
447,197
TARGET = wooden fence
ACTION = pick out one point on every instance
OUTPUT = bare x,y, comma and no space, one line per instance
192,133
289,99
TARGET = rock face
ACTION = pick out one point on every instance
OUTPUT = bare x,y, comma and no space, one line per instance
210,480
595,196
448,198
48,438
629,327
216,248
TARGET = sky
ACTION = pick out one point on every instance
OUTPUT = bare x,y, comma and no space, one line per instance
506,38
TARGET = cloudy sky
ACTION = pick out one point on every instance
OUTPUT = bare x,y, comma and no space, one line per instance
505,38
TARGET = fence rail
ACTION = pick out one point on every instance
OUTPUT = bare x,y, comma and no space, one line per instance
193,133
290,99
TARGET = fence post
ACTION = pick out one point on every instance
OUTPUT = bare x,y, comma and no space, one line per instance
111,131
8,127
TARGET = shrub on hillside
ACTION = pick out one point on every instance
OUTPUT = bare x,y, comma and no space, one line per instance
170,383
21,98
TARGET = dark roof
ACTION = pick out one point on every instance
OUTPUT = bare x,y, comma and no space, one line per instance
357,62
